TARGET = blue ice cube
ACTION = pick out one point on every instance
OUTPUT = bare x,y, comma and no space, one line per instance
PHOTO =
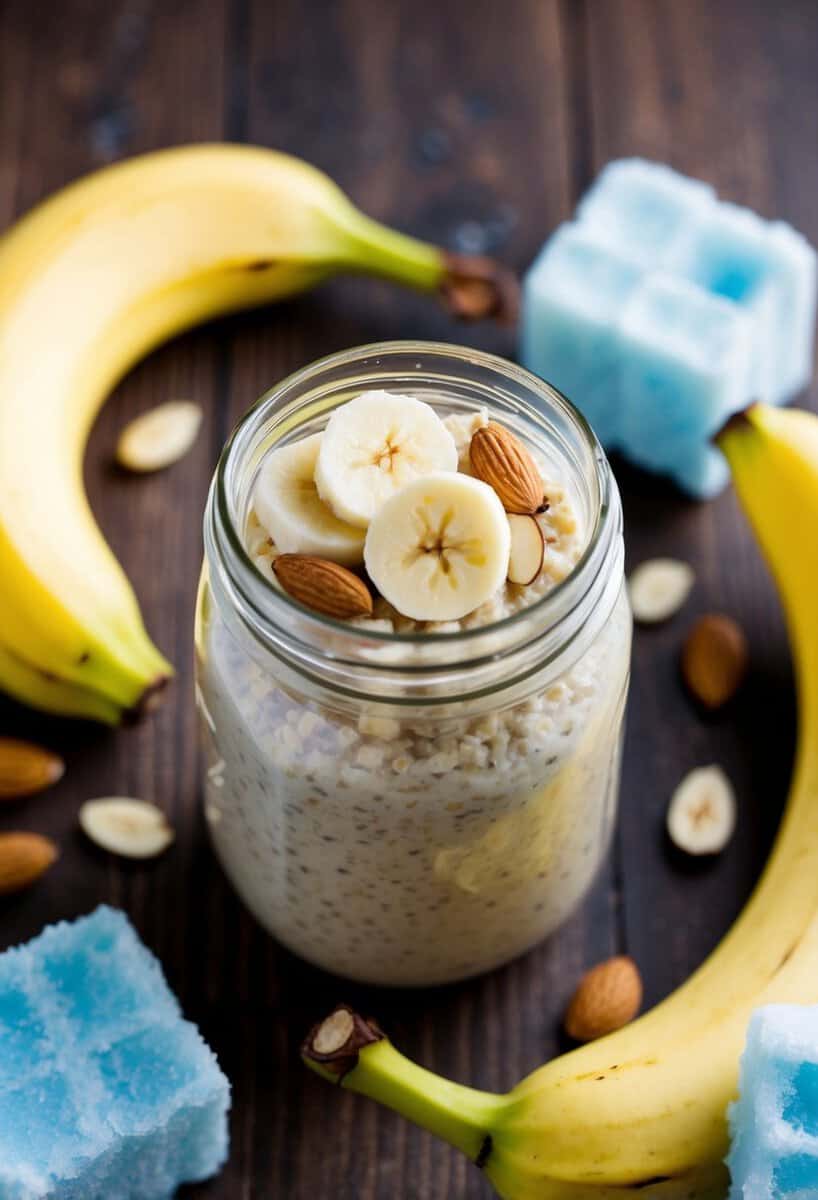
660,311
682,372
642,209
701,470
102,1004
106,1093
769,270
25,1047
573,295
774,1122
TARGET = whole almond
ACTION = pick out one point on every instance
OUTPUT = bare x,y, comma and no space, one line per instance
24,857
608,997
26,768
324,586
501,460
714,659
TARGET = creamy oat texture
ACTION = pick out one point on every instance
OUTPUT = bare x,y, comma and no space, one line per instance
415,849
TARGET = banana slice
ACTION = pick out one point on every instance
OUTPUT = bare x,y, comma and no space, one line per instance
701,816
373,446
439,548
288,506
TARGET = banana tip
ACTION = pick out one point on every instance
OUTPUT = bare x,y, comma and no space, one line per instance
332,1046
475,287
148,702
735,422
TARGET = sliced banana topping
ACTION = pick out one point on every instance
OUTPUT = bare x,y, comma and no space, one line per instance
288,506
373,446
702,812
439,548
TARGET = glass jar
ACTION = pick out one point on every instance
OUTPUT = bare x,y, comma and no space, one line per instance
412,809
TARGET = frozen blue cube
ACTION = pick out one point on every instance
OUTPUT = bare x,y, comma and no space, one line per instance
659,311
684,354
106,1092
760,270
643,209
573,295
774,1122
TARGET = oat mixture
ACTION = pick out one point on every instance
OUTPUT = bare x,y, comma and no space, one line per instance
413,849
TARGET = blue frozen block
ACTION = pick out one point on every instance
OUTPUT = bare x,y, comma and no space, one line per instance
768,270
774,1122
682,372
106,1093
701,470
642,209
660,311
572,296
796,265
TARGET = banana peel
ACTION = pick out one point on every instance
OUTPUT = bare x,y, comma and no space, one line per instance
642,1112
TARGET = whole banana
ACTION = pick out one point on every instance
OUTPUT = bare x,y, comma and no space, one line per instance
92,280
643,1111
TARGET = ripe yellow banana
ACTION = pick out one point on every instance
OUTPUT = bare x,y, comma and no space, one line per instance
91,281
642,1112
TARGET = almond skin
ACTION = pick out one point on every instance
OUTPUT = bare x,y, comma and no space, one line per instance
608,997
24,857
714,660
26,768
324,586
502,461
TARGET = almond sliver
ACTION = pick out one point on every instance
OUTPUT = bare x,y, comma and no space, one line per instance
132,828
159,437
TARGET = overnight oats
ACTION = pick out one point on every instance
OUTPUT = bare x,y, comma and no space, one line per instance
413,647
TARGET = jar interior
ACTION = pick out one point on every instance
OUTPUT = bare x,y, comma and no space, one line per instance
454,382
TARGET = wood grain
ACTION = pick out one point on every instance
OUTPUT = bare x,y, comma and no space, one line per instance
476,125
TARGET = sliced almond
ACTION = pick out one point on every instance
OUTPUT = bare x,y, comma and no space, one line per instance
714,659
608,997
658,588
527,549
24,857
324,586
159,437
26,768
502,461
132,828
701,816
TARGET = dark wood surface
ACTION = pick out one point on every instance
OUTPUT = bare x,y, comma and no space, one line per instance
476,124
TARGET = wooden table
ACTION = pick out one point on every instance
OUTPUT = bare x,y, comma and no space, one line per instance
476,124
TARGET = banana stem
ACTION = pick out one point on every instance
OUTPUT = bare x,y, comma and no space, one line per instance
347,1049
471,286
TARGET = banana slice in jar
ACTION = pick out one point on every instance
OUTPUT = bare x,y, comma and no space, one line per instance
287,504
373,446
439,548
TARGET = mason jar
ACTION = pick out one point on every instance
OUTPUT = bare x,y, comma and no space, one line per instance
400,807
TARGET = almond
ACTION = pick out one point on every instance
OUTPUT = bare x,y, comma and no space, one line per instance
24,857
26,768
714,659
501,460
608,997
527,549
324,586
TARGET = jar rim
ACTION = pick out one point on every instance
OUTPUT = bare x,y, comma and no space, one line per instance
277,600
